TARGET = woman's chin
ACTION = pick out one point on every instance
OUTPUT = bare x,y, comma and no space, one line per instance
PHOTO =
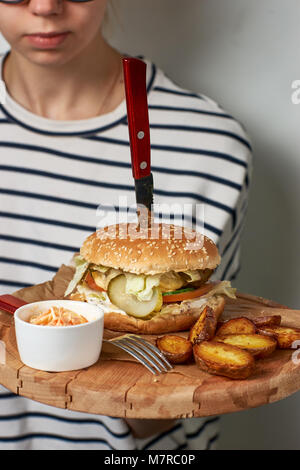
50,57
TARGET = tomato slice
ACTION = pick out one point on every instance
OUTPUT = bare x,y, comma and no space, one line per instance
189,295
91,283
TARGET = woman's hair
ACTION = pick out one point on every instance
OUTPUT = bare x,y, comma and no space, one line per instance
111,18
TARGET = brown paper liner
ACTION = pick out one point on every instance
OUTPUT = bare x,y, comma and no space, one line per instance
54,289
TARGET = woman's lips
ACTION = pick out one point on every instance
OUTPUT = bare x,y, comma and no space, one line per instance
47,40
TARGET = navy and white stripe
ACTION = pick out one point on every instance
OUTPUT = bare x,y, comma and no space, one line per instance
28,425
54,175
198,434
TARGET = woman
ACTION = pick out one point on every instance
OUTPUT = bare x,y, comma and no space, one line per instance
64,150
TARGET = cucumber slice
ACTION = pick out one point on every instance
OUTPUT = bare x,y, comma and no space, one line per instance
179,291
129,303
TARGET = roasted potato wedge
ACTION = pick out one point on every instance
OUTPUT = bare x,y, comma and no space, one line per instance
205,327
223,359
237,326
284,335
175,348
272,320
257,345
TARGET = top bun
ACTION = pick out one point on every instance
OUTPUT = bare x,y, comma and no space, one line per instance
158,249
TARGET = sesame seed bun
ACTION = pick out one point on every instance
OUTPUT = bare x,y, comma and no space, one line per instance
160,249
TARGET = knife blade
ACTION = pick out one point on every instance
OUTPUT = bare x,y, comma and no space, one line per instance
139,130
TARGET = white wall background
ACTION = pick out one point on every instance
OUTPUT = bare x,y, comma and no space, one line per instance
245,55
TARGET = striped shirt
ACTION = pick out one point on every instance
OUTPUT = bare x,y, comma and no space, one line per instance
54,177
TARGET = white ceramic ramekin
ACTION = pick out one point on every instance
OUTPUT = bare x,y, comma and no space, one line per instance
59,348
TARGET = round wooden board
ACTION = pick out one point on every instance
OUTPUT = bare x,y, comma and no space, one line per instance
123,388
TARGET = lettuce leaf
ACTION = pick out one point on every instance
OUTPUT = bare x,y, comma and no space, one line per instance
147,293
81,266
223,288
194,275
141,286
99,267
134,283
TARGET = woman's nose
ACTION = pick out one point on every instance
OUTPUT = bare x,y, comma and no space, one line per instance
45,7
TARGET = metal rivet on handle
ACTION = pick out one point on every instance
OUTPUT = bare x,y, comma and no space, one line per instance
143,165
141,135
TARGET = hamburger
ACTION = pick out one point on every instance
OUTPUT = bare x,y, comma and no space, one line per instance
148,284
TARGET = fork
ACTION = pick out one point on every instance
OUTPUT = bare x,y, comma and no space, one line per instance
145,352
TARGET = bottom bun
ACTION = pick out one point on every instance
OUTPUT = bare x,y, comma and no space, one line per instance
183,318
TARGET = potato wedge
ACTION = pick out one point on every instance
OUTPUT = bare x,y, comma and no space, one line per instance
223,359
205,327
237,326
257,345
284,335
175,348
272,320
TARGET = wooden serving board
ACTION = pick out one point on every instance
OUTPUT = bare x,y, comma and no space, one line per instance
118,386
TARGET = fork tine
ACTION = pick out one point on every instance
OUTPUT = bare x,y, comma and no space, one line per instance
153,348
146,347
135,355
138,350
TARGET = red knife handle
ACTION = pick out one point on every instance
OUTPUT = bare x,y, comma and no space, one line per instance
137,115
10,303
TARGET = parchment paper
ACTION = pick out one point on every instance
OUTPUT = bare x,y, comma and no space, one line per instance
55,289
